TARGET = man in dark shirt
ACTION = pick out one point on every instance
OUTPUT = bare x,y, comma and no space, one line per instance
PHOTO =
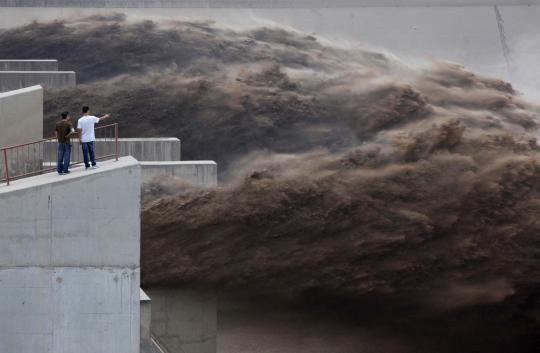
64,129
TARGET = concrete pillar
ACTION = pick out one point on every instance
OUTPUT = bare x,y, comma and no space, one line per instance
70,261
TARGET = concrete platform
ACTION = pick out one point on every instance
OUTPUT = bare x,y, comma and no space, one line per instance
28,65
11,80
142,149
202,173
70,261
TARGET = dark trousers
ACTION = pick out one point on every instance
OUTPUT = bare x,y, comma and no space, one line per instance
64,157
88,149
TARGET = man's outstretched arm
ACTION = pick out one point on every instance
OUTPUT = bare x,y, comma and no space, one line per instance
106,116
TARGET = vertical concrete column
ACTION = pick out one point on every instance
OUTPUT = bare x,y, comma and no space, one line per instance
70,261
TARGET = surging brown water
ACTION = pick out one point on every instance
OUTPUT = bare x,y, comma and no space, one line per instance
403,199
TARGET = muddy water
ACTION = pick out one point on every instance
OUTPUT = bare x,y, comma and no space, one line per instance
255,330
469,35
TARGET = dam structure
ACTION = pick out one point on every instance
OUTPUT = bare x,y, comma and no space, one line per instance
70,261
70,245
158,156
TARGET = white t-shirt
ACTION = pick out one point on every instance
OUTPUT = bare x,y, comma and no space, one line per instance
86,124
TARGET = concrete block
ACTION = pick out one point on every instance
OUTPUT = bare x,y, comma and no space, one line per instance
184,320
69,261
21,116
28,65
202,173
65,217
142,149
21,121
11,80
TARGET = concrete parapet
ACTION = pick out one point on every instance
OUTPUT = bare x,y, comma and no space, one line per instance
28,65
142,149
202,173
70,263
11,80
184,321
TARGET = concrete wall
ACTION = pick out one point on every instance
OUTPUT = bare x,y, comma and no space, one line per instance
202,173
256,3
21,116
184,321
11,80
28,65
70,263
142,149
21,121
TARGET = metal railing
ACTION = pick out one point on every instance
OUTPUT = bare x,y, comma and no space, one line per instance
28,159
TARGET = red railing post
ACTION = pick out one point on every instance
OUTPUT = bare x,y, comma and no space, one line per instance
116,139
7,167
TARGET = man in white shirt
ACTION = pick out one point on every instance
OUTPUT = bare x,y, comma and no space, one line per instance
85,125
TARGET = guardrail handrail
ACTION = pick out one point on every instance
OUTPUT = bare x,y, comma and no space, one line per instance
110,132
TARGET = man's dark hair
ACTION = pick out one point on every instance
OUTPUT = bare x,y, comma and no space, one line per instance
85,109
65,115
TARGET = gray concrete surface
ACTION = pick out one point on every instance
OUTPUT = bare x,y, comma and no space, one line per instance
11,80
184,321
21,116
28,65
70,263
21,121
203,173
142,149
255,3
